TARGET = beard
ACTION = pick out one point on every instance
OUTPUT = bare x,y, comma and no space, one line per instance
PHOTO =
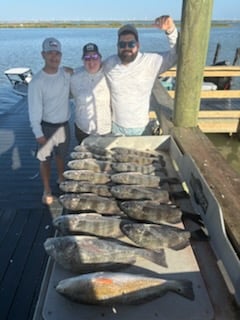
125,57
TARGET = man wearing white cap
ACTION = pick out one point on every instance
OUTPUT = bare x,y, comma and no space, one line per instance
49,112
131,75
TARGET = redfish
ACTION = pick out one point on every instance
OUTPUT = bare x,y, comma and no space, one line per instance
112,288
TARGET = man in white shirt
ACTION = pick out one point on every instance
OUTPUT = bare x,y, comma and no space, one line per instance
49,112
131,75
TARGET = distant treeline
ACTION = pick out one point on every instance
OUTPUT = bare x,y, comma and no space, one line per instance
94,24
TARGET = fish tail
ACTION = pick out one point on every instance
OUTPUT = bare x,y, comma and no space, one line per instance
157,257
183,288
199,235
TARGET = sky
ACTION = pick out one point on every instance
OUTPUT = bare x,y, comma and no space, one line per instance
48,10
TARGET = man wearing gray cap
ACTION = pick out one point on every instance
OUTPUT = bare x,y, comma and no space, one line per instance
131,75
49,112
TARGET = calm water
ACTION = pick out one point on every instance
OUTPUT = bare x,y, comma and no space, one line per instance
21,48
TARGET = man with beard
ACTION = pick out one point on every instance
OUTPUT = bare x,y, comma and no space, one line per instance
131,75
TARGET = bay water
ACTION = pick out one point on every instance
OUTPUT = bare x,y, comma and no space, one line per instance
21,47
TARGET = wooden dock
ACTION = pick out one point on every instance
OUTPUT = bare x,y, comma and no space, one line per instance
25,222
219,109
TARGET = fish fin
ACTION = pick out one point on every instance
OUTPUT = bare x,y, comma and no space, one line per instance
199,235
157,257
193,217
170,180
185,289
179,195
180,246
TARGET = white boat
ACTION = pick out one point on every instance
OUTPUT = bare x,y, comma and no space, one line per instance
19,79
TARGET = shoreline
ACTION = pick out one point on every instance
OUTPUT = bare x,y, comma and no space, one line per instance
96,24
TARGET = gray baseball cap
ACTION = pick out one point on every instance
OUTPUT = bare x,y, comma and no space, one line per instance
128,28
51,44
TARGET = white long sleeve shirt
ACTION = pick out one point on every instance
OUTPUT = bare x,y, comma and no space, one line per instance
92,102
131,84
48,99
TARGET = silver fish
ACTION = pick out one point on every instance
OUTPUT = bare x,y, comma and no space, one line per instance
102,190
136,192
88,223
87,253
81,155
89,202
156,236
136,178
94,148
133,158
90,164
152,212
87,175
136,152
154,168
112,288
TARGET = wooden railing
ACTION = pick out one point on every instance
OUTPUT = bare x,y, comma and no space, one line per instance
213,71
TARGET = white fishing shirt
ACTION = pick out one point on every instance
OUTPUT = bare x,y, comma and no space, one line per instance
131,84
48,99
92,102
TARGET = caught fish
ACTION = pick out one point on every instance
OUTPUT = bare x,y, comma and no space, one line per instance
87,253
88,155
154,168
102,190
80,155
112,288
137,192
149,211
156,236
94,148
134,158
87,175
88,223
136,152
136,178
90,202
90,164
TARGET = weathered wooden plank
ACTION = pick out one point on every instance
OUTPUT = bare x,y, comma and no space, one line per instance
23,269
219,114
23,305
216,94
222,179
211,71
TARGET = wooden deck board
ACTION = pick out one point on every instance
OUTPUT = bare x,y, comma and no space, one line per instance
25,222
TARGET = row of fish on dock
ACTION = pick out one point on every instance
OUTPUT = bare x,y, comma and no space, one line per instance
118,208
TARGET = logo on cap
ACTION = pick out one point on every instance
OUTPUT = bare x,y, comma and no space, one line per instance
51,44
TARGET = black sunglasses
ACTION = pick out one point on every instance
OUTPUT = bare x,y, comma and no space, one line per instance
131,44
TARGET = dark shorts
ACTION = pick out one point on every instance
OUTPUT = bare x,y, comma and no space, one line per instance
58,136
79,134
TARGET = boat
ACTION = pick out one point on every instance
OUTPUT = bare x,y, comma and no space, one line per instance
201,201
19,79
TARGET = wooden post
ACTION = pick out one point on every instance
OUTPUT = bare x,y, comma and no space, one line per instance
193,45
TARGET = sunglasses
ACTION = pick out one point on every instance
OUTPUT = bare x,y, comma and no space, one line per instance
91,57
131,44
